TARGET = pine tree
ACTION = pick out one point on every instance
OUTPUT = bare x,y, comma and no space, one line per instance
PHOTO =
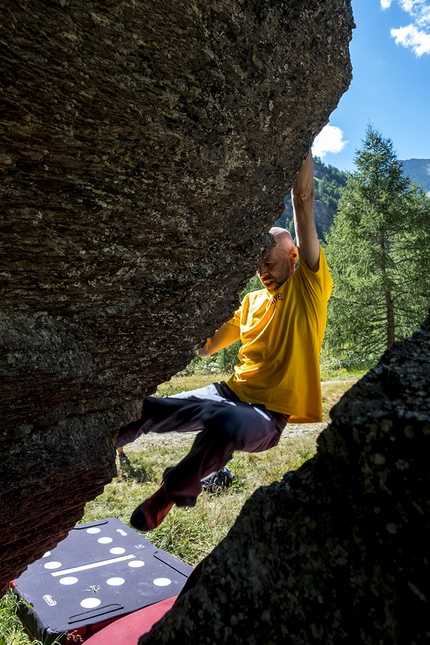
378,253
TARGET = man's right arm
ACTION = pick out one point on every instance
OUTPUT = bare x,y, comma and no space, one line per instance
226,335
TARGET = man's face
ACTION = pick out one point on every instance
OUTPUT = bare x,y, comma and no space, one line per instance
276,267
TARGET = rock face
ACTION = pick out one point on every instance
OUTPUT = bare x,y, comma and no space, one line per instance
337,552
145,150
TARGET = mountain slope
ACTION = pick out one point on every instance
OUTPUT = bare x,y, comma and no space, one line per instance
329,182
419,171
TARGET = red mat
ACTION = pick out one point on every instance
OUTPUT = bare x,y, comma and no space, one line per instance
126,630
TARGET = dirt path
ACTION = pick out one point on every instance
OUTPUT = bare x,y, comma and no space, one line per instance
186,438
340,382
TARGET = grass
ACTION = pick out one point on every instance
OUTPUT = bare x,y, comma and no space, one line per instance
186,383
191,534
332,391
12,631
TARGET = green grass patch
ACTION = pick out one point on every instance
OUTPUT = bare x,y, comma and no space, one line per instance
192,533
184,383
12,631
331,392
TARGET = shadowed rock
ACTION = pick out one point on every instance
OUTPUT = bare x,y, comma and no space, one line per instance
145,151
337,552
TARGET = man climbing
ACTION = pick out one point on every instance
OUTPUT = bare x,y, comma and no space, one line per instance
277,378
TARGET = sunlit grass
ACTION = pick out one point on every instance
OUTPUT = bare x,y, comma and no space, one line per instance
12,631
332,391
186,383
191,534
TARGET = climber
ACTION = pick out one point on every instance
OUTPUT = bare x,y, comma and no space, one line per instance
276,380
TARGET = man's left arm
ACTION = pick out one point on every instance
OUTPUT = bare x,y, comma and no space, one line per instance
303,196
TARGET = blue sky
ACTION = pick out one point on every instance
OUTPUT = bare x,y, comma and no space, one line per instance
390,55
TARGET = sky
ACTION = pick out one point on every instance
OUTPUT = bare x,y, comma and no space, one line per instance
390,89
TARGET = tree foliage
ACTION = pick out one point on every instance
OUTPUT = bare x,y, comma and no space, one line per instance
378,255
329,182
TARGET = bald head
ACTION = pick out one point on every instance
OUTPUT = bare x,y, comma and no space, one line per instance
282,237
280,262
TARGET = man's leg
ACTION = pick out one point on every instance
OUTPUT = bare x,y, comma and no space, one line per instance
181,412
226,429
239,427
163,415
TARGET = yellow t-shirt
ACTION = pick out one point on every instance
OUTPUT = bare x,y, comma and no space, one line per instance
281,338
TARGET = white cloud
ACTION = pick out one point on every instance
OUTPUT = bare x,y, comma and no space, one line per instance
417,39
330,139
416,35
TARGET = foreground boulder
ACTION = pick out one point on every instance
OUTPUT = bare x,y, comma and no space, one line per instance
337,552
145,151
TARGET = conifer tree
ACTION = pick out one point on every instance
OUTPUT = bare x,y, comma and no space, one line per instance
378,252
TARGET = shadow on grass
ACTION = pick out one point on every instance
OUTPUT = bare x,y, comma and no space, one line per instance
135,470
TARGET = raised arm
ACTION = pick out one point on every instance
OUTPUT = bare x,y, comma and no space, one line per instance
302,195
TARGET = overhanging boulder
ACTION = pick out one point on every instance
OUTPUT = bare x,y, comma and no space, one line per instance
145,150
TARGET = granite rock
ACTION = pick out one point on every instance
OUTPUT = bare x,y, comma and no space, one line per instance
145,149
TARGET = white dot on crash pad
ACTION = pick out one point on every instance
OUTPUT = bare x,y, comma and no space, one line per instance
115,582
90,603
162,582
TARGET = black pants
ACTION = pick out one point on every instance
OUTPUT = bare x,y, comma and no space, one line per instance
225,423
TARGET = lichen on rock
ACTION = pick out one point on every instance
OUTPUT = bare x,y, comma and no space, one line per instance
145,153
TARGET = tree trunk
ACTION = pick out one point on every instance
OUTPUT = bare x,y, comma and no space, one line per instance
389,308
391,336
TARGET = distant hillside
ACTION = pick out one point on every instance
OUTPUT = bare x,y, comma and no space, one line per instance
329,182
419,171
